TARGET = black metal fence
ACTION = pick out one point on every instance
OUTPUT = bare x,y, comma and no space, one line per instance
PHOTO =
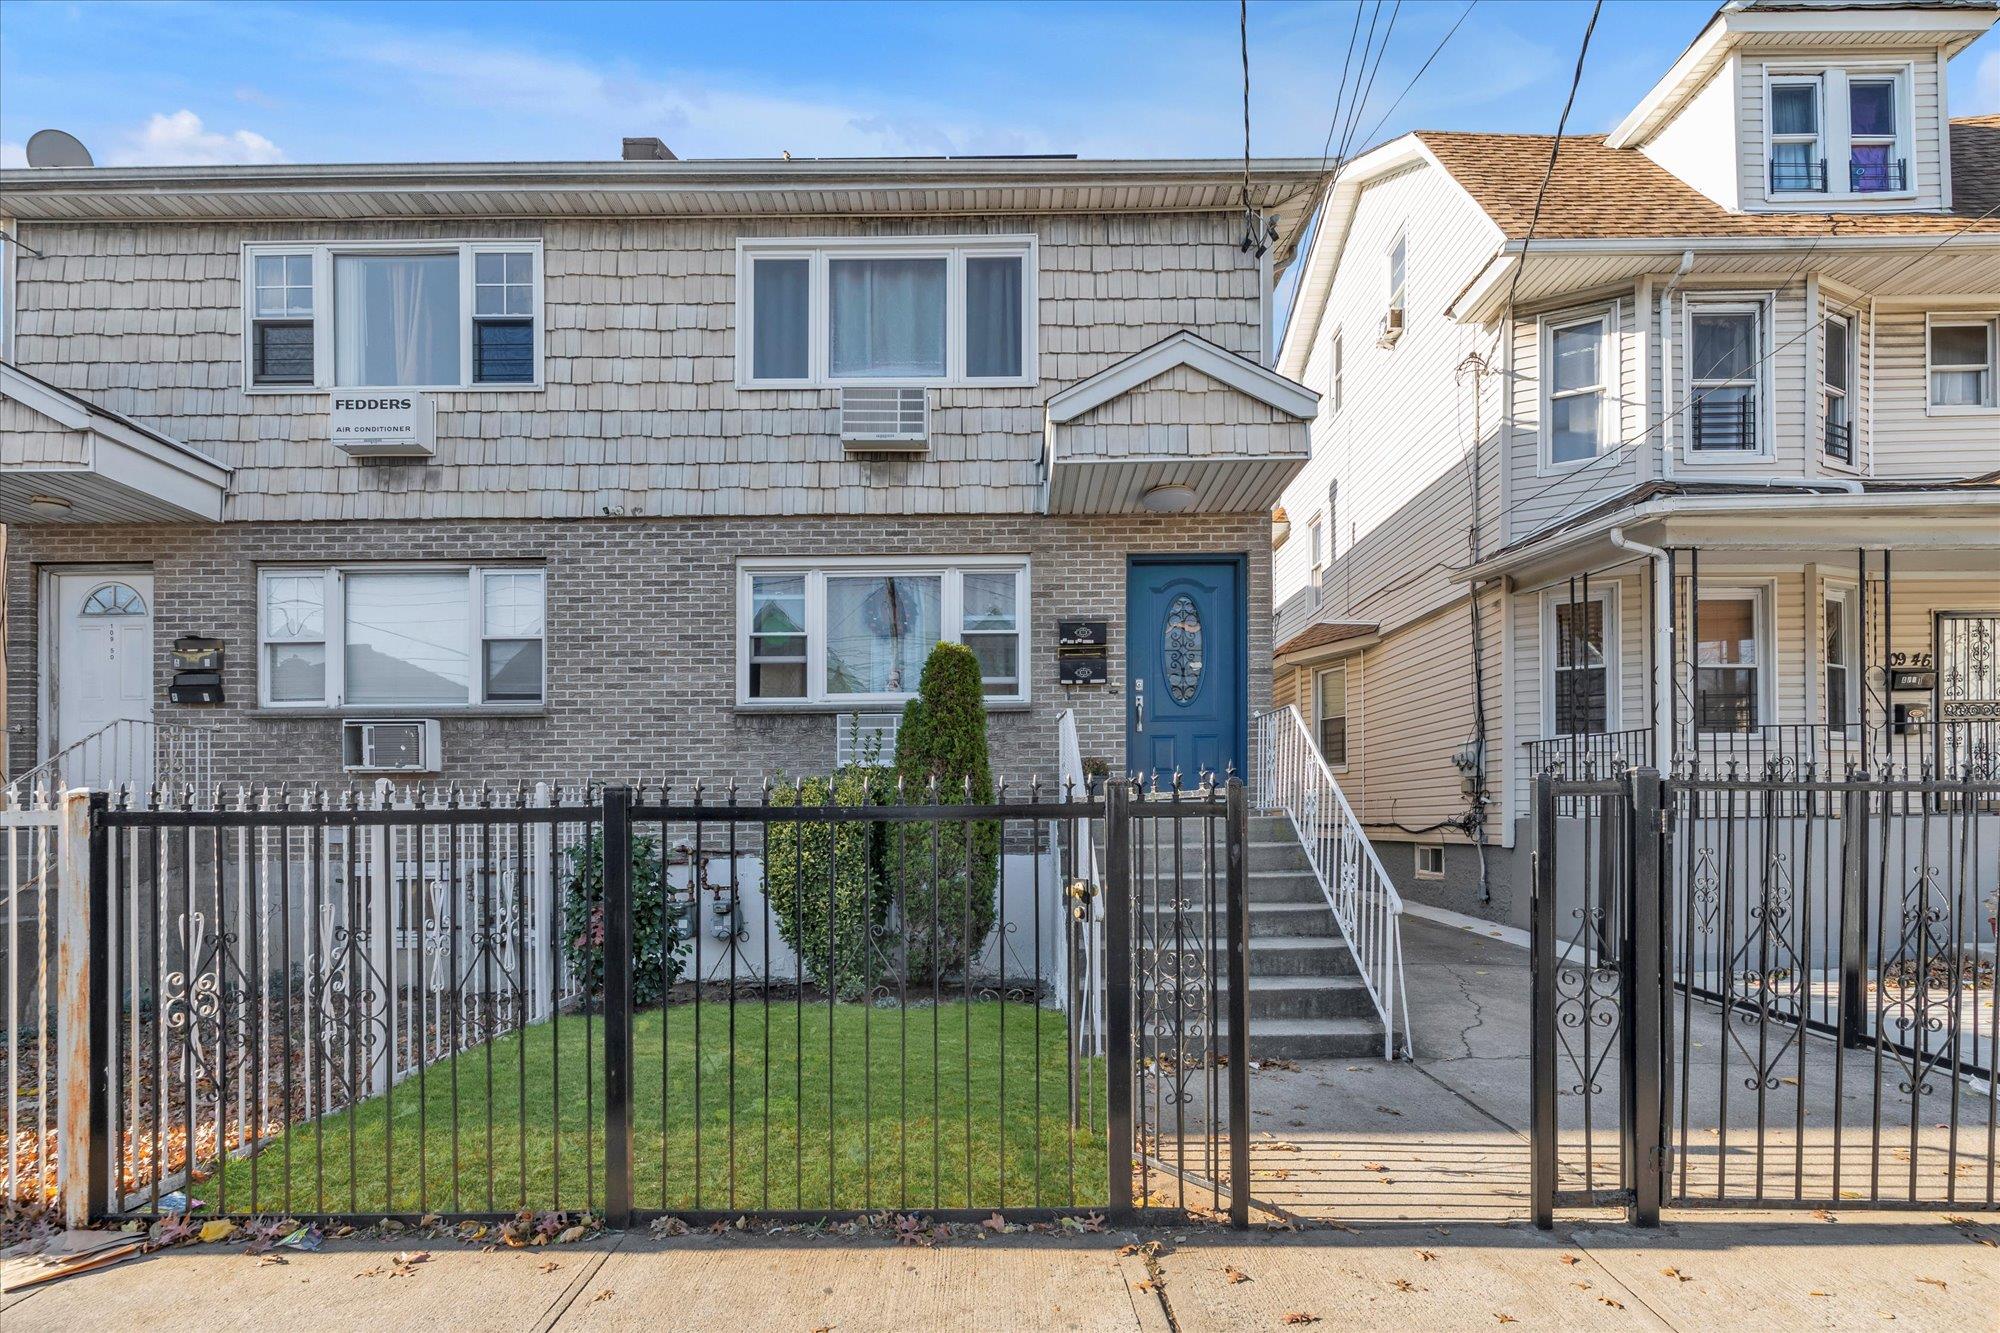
826,999
1765,992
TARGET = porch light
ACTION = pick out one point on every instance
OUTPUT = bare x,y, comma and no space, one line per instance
1169,499
48,505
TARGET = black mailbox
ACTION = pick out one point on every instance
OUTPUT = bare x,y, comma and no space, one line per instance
1083,652
197,671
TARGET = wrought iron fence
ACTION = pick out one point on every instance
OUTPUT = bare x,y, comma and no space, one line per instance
1766,992
28,841
812,999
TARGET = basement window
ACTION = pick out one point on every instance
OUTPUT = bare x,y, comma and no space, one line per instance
1430,860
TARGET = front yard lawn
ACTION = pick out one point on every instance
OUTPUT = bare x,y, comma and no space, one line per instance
848,1110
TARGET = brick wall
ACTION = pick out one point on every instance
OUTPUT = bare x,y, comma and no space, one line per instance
641,633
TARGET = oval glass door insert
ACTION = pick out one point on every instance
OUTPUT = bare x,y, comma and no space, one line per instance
1181,655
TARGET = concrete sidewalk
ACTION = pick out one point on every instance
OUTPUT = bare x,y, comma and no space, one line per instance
1711,1271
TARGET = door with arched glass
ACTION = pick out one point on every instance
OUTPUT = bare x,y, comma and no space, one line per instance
101,678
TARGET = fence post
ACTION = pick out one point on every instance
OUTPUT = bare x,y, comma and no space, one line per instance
1119,1046
1238,900
83,963
1542,1009
618,1006
1644,1053
1853,915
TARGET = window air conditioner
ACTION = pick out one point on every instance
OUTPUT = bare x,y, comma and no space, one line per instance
884,420
1392,328
391,745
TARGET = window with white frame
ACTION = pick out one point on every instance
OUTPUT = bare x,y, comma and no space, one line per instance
1872,137
908,310
1580,642
1731,646
858,631
434,636
1574,391
1330,714
1398,280
1339,359
1317,529
1837,386
1839,641
414,315
1959,353
1724,361
1430,860
1798,159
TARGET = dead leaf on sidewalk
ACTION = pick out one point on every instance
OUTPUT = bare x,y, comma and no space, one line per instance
604,1295
1616,1305
547,1266
1937,1282
1675,1274
996,1224
1505,1318
1403,1284
1427,1255
1571,1259
1300,1317
1232,1273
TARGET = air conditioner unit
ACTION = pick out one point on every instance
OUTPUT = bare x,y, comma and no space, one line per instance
391,745
1392,328
885,420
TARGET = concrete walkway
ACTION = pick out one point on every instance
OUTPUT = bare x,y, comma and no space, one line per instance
1408,1183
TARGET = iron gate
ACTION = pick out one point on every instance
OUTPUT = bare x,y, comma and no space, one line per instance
813,1003
1764,992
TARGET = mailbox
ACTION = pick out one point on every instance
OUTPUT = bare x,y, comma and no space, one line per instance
1083,652
197,671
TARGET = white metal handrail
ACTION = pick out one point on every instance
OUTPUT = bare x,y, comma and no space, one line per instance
1293,778
1075,785
176,755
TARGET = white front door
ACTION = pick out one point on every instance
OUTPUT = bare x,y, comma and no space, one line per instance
104,677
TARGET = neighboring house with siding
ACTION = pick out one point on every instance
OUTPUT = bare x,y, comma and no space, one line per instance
1708,472
664,469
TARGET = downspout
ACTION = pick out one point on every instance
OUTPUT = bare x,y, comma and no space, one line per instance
1663,642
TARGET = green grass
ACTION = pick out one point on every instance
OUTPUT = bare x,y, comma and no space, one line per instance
892,1135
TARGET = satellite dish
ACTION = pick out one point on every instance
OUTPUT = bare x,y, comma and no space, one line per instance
57,148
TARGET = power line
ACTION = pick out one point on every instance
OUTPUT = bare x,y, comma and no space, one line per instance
1555,150
1384,119
1340,94
1360,104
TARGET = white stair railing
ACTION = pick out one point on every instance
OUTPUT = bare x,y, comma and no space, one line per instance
1292,778
1086,991
130,752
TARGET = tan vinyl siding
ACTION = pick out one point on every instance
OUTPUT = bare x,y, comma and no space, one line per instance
640,413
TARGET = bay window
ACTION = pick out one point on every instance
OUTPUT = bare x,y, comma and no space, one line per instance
858,631
1960,358
416,637
907,310
379,314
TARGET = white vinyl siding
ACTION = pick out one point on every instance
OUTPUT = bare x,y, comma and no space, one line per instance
1907,437
1918,139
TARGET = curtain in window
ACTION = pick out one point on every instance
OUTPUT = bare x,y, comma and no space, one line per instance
406,638
888,317
879,630
993,316
781,292
395,319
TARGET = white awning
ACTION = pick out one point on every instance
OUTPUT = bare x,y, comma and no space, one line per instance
64,459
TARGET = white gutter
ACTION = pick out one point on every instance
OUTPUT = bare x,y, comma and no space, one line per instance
1663,643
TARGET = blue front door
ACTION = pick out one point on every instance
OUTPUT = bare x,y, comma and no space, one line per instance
1186,706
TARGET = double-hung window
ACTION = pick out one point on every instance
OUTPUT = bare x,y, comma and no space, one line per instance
1873,164
1724,360
858,631
412,315
1837,386
1798,159
1339,359
910,311
1961,364
1330,714
1730,648
431,636
1397,272
1839,638
1575,394
1580,637
1317,528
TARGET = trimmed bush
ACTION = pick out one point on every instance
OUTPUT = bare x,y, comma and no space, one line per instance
823,884
655,966
950,870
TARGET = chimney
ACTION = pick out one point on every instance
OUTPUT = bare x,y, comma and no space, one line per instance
647,149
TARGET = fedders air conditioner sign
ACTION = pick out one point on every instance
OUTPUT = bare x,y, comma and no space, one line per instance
384,423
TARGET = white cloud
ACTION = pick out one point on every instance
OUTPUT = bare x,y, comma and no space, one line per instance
1986,100
181,139
12,154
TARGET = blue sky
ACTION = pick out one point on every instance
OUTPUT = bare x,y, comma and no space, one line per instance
246,82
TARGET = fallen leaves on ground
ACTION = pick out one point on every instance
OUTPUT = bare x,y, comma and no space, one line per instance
1571,1259
1616,1305
1300,1317
547,1266
1675,1274
604,1295
1505,1318
1427,1255
1937,1282
407,1261
1403,1284
1231,1273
